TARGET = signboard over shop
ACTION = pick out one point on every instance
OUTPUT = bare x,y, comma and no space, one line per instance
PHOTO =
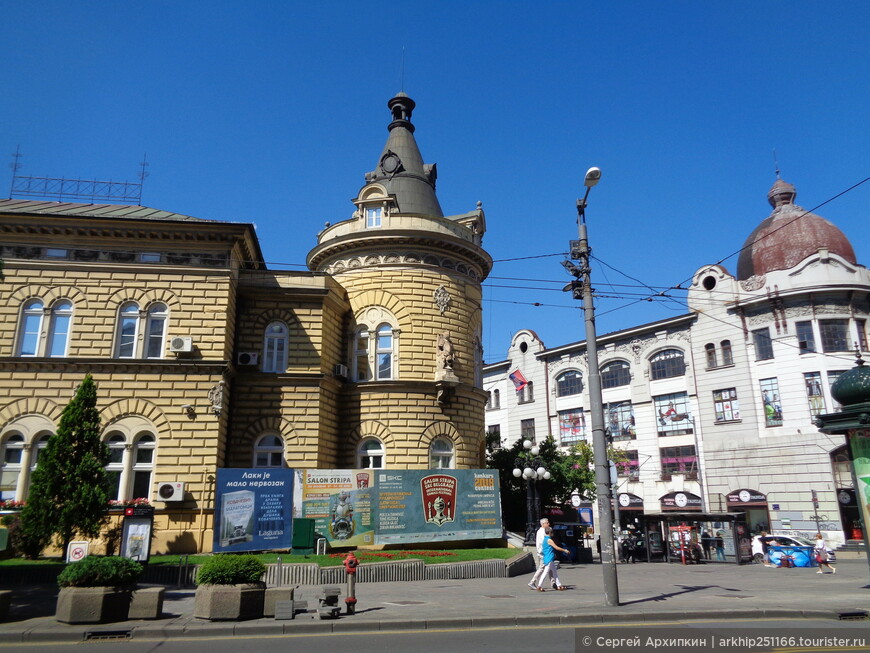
681,502
746,497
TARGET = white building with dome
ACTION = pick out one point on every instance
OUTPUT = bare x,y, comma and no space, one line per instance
716,408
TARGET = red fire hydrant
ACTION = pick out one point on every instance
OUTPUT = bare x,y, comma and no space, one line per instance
350,565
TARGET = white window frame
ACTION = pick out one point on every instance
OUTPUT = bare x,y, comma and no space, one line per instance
276,340
269,445
371,457
149,331
155,331
374,215
371,343
442,454
59,324
14,441
32,319
128,314
144,442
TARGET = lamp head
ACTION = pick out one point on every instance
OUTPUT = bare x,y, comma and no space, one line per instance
593,176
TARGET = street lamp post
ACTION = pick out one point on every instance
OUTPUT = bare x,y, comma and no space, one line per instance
530,467
582,289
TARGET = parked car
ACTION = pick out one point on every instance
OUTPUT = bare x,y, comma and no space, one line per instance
792,540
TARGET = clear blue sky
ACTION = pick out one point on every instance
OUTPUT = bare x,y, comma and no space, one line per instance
271,113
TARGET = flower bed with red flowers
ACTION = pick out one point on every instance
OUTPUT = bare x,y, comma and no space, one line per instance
379,556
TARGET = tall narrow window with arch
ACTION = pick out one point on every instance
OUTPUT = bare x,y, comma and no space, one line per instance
59,325
131,465
141,334
12,446
30,329
275,347
615,375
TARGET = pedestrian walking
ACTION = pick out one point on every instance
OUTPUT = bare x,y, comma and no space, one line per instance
539,544
551,566
821,551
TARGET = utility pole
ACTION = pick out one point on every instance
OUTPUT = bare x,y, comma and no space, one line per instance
582,289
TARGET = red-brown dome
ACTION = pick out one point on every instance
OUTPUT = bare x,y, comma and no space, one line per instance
788,236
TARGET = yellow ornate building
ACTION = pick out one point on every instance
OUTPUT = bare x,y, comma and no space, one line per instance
204,358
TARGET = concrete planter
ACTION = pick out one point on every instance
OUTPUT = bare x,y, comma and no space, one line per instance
229,602
92,605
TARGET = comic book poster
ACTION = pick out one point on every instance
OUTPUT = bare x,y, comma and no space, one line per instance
437,505
253,510
340,503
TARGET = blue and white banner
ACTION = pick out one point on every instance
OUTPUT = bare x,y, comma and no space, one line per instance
253,510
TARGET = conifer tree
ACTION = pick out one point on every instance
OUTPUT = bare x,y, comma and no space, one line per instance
69,491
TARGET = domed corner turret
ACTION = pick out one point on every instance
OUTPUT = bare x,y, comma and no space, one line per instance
788,236
853,386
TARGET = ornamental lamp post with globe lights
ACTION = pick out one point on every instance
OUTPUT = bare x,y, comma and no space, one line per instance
530,467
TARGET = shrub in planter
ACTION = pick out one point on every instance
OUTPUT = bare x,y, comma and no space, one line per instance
96,590
95,571
229,588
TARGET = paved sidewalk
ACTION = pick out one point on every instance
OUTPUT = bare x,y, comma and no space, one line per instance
648,592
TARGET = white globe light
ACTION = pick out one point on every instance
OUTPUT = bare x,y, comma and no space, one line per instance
541,471
547,475
536,450
527,444
527,472
518,472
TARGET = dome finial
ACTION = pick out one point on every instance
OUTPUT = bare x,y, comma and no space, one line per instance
775,164
781,193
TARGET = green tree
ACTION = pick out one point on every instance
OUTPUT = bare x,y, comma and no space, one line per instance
570,471
69,490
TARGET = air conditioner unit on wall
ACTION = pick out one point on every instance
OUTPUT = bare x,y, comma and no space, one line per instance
180,344
340,371
170,491
247,358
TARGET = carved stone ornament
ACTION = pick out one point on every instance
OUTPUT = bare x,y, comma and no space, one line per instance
442,299
753,283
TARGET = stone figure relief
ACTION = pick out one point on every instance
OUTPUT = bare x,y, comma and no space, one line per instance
446,352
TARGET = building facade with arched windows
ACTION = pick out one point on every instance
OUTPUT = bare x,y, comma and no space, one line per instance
719,405
204,358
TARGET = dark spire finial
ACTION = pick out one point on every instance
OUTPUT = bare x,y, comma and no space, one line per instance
401,107
775,164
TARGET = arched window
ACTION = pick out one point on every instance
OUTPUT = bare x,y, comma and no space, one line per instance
115,468
666,364
128,330
569,383
31,328
275,347
710,352
526,394
615,374
269,452
59,328
143,466
727,357
155,330
493,402
374,351
385,352
441,454
370,454
10,469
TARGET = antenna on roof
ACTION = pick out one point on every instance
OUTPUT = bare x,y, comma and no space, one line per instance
15,165
402,72
142,174
62,189
775,163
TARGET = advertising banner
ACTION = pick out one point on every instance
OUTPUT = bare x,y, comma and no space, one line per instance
860,442
436,505
253,510
340,503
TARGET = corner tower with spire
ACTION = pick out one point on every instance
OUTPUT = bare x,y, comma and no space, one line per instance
412,339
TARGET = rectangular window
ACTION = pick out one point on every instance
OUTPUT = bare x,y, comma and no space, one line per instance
815,396
493,436
673,414
833,375
806,339
30,337
58,335
493,401
526,395
725,405
628,467
763,345
620,420
771,402
56,253
679,460
373,217
527,429
572,426
862,334
834,334
149,257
